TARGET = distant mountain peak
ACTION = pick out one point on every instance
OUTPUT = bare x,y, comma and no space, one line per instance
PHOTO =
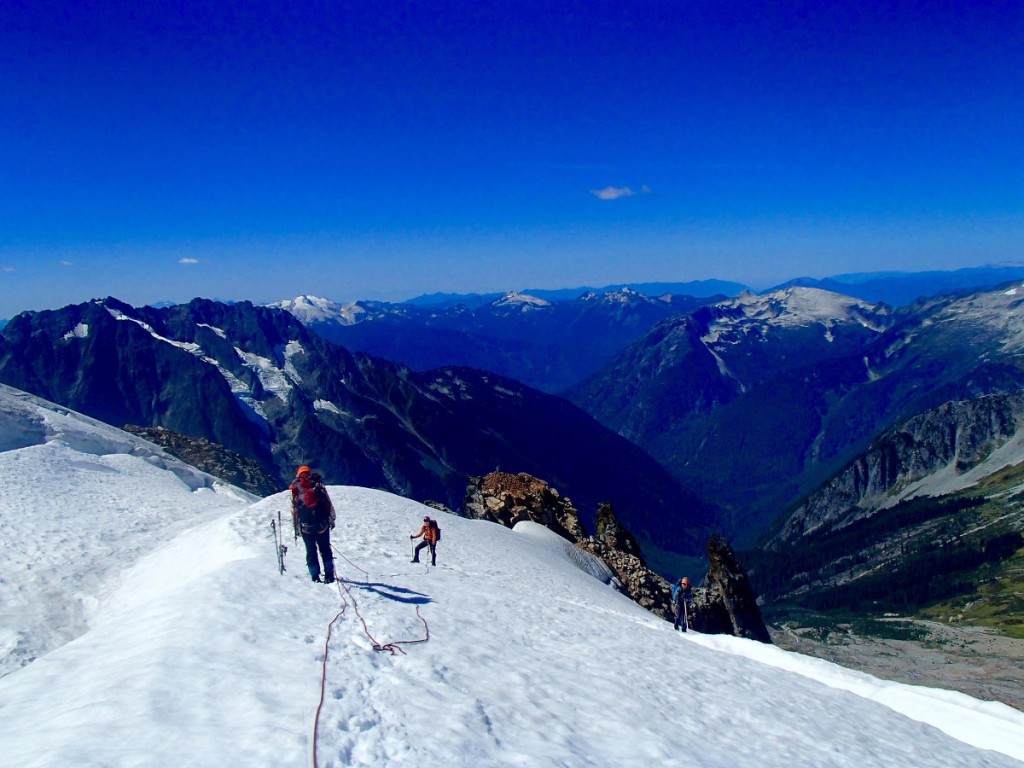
313,309
624,295
523,301
796,306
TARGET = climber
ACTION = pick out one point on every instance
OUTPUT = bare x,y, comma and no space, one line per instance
313,517
431,535
682,594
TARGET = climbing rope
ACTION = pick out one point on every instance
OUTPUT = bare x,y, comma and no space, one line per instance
323,684
394,647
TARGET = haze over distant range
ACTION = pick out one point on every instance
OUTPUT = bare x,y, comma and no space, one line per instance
385,150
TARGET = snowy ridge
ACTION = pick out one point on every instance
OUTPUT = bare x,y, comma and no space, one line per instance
185,345
624,295
791,307
190,649
273,379
313,309
106,492
522,301
1001,311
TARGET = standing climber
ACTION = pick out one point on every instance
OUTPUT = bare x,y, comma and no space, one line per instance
431,535
682,594
313,517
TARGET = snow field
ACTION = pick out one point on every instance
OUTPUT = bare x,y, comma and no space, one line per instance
160,633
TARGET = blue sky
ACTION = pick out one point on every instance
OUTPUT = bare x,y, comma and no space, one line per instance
160,151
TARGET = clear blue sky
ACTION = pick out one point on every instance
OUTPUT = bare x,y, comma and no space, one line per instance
160,151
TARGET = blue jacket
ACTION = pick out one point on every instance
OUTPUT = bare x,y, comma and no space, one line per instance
679,594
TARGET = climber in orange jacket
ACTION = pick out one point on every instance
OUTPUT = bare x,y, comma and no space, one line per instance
431,535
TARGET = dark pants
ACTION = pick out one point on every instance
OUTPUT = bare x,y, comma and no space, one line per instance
321,541
421,545
681,612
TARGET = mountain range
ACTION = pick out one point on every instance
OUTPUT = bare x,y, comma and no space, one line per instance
256,381
549,345
899,288
756,401
722,413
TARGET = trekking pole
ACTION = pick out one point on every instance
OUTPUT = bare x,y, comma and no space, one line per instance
283,550
686,617
277,546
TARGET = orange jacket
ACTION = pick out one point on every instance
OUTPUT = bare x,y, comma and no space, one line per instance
428,533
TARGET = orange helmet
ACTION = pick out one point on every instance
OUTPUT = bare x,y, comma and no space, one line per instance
303,470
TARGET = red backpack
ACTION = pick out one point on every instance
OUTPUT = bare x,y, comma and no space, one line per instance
314,511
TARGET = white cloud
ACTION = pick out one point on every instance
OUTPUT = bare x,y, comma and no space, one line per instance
615,193
187,260
9,269
66,263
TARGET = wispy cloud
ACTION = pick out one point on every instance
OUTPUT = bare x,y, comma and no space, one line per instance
66,263
187,260
10,269
617,193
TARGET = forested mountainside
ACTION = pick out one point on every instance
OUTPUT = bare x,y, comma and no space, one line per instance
757,401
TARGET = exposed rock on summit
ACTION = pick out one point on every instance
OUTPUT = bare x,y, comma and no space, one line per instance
726,606
505,498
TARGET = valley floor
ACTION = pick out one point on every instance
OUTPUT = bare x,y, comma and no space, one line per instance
973,660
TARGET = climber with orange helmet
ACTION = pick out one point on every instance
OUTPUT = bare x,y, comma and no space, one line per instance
431,535
313,517
682,594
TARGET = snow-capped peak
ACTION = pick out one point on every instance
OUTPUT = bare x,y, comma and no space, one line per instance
792,307
799,305
523,301
314,309
624,295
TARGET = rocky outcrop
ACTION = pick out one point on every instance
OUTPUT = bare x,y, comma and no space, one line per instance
643,585
506,498
614,534
211,458
727,605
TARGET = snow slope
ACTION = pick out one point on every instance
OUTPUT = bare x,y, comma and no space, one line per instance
174,641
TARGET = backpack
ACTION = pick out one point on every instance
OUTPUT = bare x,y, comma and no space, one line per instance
314,511
437,531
